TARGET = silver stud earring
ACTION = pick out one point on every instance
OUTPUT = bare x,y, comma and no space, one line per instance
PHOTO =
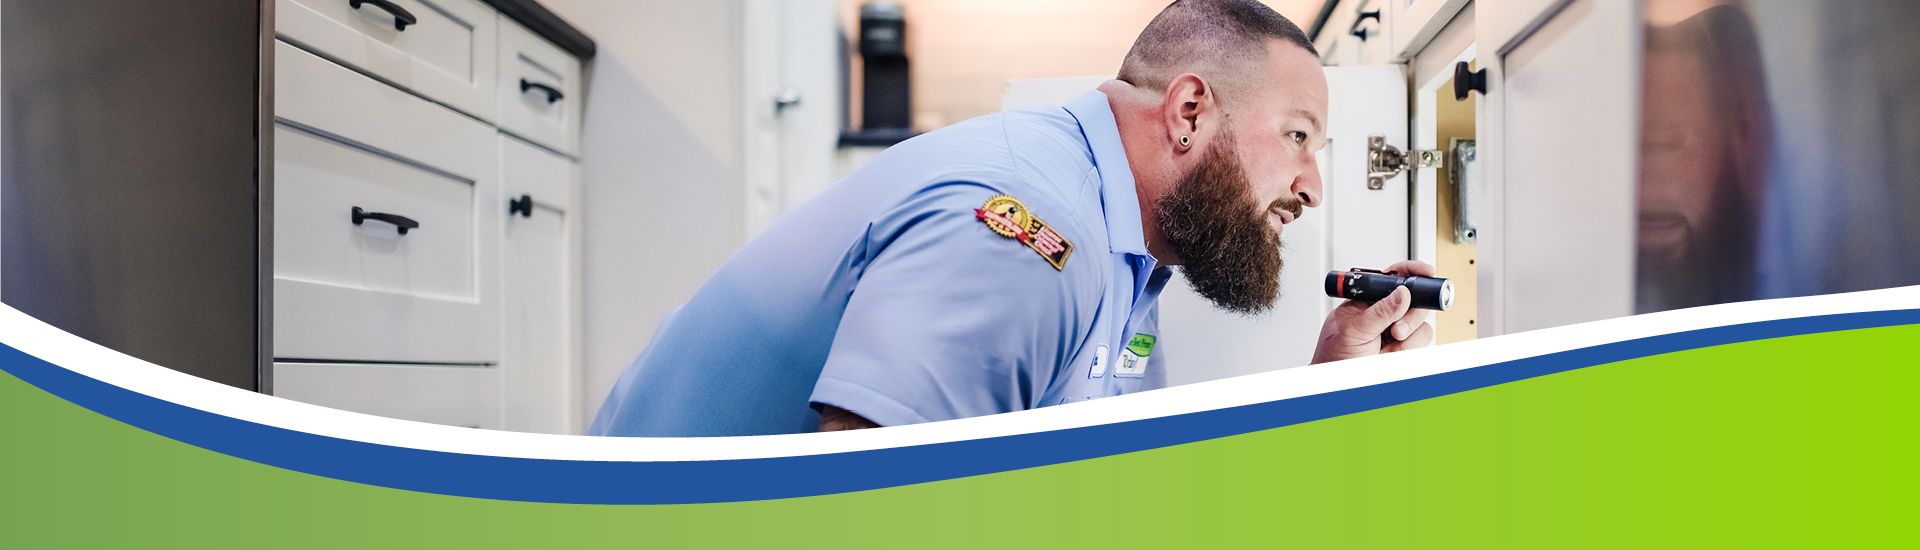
1185,142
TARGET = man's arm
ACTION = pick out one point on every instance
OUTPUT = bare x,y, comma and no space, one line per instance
834,419
951,319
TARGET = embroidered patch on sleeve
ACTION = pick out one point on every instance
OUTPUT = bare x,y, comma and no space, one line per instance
1009,217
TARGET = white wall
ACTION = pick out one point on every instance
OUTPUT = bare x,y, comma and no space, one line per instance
662,184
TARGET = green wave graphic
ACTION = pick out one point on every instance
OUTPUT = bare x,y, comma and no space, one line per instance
1798,441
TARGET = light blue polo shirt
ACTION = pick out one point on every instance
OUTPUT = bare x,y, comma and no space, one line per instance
896,296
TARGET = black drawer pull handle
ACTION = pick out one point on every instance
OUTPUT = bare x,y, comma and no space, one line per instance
400,223
553,94
401,17
1466,80
1360,32
522,206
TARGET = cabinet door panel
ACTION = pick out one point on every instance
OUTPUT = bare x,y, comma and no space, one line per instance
540,373
1560,144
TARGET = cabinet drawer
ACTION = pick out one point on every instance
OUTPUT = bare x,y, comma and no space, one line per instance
539,89
455,396
446,54
366,291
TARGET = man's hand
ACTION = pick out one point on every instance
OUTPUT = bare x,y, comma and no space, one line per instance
1359,329
836,419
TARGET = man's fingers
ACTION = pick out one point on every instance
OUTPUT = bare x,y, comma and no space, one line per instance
1382,314
1419,339
1410,267
1409,322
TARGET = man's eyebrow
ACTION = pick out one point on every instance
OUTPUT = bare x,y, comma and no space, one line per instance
1311,118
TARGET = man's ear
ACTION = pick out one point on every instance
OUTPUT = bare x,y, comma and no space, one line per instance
1188,97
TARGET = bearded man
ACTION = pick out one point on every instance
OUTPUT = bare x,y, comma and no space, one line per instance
1015,261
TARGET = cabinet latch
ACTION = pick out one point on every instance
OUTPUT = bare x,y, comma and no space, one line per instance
1386,161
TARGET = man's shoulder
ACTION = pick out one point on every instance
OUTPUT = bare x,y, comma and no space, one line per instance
1041,150
1038,159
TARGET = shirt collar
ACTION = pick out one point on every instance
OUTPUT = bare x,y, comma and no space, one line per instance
1117,198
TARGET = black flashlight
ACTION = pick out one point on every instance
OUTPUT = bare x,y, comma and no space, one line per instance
1370,285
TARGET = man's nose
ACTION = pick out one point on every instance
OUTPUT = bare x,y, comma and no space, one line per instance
1306,187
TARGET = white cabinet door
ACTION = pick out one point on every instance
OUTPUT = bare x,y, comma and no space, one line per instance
446,54
541,383
1355,227
1559,145
792,104
355,287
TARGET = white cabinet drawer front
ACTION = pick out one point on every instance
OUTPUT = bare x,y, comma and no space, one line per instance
451,395
446,54
539,89
318,184
366,292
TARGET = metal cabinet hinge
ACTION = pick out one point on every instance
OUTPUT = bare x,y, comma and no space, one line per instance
1385,160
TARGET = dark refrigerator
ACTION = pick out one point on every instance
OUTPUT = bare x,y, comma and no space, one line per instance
134,177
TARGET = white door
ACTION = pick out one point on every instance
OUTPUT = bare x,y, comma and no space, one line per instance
540,386
794,72
1558,139
1357,226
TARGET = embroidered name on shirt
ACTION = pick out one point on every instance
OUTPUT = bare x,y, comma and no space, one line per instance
1009,217
1133,357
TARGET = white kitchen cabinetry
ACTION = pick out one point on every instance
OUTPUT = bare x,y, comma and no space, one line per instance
446,54
1359,32
425,259
1557,142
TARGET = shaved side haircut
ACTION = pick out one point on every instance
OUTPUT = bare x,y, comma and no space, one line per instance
1221,40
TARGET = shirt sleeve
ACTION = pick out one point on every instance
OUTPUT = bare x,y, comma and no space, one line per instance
950,319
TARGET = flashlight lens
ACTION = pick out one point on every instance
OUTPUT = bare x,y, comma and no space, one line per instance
1446,294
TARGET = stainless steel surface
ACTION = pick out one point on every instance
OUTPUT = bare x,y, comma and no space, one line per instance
132,207
1386,161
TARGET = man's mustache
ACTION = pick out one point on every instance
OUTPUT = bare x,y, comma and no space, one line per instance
1289,204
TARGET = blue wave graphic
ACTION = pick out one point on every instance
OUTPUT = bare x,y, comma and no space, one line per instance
590,482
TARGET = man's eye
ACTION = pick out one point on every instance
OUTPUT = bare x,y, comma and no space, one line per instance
1299,138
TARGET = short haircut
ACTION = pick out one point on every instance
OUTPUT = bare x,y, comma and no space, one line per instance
1223,37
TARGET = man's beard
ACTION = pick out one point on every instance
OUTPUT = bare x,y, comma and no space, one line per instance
1230,255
